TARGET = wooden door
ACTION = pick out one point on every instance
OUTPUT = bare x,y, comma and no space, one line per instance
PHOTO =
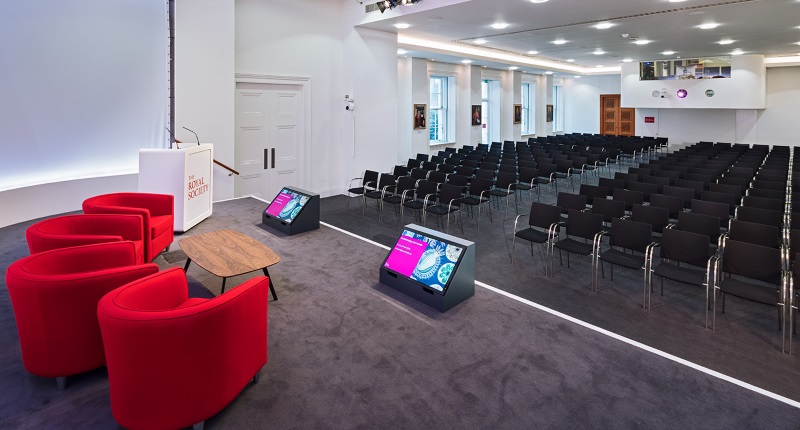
616,120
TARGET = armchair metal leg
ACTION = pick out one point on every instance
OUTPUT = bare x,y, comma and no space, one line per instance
257,376
61,383
199,426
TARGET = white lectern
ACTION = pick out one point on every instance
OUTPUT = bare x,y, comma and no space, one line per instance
186,173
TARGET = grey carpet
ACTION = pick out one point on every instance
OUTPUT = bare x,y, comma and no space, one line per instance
347,352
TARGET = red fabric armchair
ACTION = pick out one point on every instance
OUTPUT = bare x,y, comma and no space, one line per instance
157,212
74,230
175,361
54,295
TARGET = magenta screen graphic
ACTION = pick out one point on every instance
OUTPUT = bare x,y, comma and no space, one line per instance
287,205
423,259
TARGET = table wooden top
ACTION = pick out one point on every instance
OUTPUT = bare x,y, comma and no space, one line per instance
227,253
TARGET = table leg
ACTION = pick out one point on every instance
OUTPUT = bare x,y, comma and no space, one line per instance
223,285
186,267
271,288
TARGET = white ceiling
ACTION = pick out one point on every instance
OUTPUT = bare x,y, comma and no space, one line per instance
767,27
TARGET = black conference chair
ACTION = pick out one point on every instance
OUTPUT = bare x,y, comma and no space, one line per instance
404,190
631,246
685,258
369,180
478,194
582,231
448,203
424,195
386,185
543,225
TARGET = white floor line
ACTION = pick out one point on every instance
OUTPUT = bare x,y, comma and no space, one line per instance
610,334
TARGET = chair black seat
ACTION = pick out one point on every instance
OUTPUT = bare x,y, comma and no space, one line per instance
473,200
356,190
502,193
394,199
680,273
748,290
439,209
574,246
373,194
619,258
414,204
532,235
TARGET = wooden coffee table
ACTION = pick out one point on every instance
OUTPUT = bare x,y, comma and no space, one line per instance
227,253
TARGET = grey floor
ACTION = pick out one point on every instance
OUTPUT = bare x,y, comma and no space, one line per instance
348,352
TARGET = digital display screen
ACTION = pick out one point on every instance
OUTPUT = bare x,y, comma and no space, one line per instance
287,204
426,260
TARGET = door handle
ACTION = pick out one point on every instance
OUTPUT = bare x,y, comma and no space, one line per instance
266,159
273,158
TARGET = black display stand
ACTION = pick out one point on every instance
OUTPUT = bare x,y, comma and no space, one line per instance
462,282
306,220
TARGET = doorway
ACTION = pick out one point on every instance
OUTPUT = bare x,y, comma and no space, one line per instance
614,119
269,138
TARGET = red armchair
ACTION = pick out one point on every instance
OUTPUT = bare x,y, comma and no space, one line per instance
74,230
54,295
175,361
157,211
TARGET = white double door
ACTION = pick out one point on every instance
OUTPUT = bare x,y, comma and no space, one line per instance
268,138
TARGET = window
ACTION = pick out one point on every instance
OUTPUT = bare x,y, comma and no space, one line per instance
528,110
440,115
490,109
558,108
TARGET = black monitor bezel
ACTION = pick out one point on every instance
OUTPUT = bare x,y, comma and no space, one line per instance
291,190
420,283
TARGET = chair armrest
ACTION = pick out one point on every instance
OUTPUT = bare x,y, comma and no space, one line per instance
516,220
350,183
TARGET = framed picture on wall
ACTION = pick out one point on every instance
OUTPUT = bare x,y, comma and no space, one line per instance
420,116
549,113
517,114
476,114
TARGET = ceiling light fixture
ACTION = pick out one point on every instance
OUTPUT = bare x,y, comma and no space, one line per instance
402,52
499,25
598,52
627,60
577,77
533,52
708,26
466,61
548,73
570,60
726,41
559,42
402,25
603,25
539,1
479,41
642,41
513,68
676,1
737,52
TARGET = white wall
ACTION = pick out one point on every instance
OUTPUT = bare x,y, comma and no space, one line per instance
204,85
582,101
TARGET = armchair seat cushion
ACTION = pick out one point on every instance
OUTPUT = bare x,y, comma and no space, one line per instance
160,224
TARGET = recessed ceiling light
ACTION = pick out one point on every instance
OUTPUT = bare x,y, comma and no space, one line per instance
676,1
599,65
726,41
533,52
708,26
548,73
538,1
737,52
642,41
598,52
627,60
577,77
513,68
499,25
570,60
402,25
466,61
603,25
559,42
402,52
479,41
667,52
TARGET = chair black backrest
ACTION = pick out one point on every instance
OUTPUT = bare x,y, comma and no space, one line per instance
583,224
528,174
505,179
546,169
609,209
405,183
767,194
611,184
629,197
657,217
697,186
569,201
726,188
485,174
760,216
543,215
671,175
673,204
705,179
446,168
769,185
419,174
487,165
659,181
752,261
370,178
627,177
742,183
685,247
470,163
563,166
450,195
697,223
631,234
751,232
593,191
465,171
715,209
687,194
763,203
646,189
728,199
413,163
479,185
400,171
422,157
509,168
437,159
438,177
386,180
453,161
459,180
426,187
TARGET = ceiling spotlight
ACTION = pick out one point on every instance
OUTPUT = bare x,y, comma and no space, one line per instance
538,1
599,52
570,60
402,52
708,26
737,52
548,73
402,25
682,93
676,1
627,60
499,25
667,52
603,25
466,61
513,68
599,66
533,52
577,77
479,41
726,41
642,41
559,42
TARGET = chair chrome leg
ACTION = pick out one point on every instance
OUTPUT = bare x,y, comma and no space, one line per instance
61,383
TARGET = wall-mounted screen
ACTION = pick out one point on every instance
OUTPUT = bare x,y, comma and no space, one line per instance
424,259
287,204
696,68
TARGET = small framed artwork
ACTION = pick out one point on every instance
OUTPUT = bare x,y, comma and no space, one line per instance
549,113
476,114
420,116
517,114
